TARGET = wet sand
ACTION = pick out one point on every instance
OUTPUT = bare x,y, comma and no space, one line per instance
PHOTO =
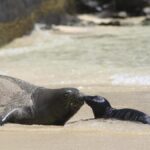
72,140
83,132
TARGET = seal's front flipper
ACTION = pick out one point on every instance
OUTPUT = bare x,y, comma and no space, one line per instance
17,115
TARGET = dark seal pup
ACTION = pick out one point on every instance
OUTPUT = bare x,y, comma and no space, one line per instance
24,103
102,109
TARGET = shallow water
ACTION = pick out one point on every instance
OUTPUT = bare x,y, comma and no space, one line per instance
89,55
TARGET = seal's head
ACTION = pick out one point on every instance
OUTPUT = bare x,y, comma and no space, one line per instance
73,97
67,101
56,106
98,104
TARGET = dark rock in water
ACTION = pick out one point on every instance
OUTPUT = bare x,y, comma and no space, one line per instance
88,6
132,7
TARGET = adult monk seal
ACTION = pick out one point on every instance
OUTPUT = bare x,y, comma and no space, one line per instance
102,109
24,103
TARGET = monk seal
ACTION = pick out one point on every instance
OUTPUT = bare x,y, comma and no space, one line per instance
102,109
24,103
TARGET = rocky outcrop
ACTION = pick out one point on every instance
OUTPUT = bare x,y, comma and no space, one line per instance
17,17
14,9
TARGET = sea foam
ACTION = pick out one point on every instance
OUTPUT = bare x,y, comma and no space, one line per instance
127,79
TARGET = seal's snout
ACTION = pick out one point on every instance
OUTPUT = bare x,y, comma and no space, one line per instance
73,93
81,97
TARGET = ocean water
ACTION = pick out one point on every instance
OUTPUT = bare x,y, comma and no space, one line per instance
80,56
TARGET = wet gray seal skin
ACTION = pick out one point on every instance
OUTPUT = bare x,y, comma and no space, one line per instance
102,109
24,103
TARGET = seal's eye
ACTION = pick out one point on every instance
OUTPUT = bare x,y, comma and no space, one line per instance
102,100
99,99
68,93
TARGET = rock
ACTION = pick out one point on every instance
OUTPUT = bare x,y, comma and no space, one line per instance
88,6
133,7
17,17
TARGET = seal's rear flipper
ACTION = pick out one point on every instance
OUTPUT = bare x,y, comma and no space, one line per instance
147,119
128,114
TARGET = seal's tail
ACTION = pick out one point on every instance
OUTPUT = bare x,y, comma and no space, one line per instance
128,114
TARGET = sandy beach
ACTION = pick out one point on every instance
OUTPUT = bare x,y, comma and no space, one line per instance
91,60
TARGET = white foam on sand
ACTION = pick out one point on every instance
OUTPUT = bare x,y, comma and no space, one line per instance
127,79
